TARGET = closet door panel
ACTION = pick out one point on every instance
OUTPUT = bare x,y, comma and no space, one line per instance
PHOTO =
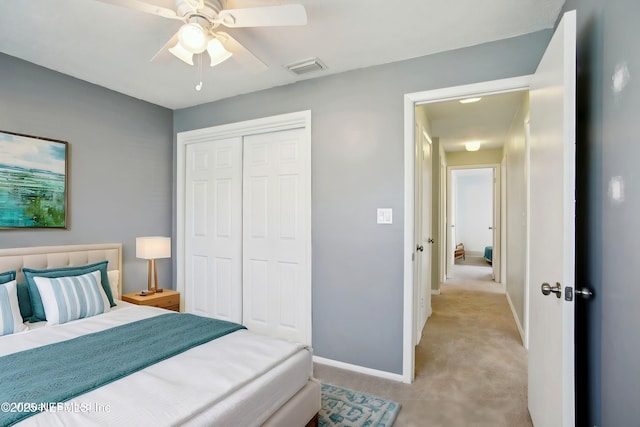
213,229
275,179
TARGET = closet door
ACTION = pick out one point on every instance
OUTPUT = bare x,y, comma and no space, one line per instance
276,235
213,229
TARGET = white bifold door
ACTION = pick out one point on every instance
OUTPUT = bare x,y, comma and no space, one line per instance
247,237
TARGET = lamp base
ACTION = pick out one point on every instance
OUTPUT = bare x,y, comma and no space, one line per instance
159,290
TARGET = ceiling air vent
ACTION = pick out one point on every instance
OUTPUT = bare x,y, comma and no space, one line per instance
306,66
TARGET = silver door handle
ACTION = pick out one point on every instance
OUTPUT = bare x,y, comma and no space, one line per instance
490,228
420,248
430,240
585,293
547,289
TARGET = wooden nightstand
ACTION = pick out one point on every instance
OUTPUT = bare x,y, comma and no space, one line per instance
166,299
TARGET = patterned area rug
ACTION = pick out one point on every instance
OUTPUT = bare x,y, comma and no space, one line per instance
347,408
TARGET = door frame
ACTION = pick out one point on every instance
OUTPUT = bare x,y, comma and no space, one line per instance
295,120
411,100
496,215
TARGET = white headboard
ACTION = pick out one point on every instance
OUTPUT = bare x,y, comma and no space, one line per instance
63,256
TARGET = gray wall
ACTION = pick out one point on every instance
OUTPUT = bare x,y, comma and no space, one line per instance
357,166
120,161
607,244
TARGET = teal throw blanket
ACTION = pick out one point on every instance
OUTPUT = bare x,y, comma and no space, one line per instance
64,370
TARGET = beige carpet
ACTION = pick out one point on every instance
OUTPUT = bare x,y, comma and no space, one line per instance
471,367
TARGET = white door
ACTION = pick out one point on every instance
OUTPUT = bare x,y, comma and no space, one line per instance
427,234
422,229
552,246
276,235
213,229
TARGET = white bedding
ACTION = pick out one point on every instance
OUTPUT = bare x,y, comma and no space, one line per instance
238,379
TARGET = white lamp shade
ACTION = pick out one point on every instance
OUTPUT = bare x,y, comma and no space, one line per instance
183,54
153,247
217,52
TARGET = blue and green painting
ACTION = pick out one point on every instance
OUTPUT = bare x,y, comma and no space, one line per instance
32,182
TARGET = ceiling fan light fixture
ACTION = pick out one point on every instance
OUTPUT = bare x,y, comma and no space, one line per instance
217,52
193,38
181,53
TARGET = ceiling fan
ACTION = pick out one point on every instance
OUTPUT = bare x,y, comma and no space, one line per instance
201,18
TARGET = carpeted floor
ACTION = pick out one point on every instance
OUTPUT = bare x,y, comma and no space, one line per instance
473,260
471,367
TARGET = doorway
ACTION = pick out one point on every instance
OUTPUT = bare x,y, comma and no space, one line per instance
442,247
473,227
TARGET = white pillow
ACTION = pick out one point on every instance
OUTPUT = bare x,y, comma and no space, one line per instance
72,297
10,318
114,280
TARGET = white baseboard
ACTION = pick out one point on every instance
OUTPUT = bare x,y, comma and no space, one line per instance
359,369
435,291
515,317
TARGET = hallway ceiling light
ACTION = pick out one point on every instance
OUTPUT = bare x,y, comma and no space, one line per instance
469,100
472,146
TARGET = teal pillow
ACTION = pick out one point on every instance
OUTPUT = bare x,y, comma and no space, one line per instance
7,276
36,301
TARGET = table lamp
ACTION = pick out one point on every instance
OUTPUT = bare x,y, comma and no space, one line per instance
152,248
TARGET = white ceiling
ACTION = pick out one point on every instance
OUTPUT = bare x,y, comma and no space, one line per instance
487,121
111,46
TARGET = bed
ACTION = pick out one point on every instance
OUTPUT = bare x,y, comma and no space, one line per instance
238,379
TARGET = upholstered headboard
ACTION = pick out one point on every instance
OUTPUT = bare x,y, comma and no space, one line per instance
42,257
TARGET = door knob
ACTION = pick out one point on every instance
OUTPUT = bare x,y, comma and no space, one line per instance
490,228
430,240
547,289
585,293
420,248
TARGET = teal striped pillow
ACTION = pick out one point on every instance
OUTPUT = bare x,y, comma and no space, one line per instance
10,318
34,295
72,297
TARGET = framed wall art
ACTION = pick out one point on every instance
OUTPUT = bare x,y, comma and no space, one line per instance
33,181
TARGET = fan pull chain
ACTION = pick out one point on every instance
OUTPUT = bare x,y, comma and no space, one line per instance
199,85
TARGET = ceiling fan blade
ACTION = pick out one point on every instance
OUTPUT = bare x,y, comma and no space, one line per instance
164,8
240,53
163,55
267,16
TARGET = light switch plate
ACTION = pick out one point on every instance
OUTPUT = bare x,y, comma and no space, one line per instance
385,216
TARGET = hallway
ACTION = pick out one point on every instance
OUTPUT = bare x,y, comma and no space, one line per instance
471,367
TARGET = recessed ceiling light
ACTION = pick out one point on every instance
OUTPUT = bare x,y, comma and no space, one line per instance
469,100
472,146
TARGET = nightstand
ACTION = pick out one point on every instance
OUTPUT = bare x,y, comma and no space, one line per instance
166,299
